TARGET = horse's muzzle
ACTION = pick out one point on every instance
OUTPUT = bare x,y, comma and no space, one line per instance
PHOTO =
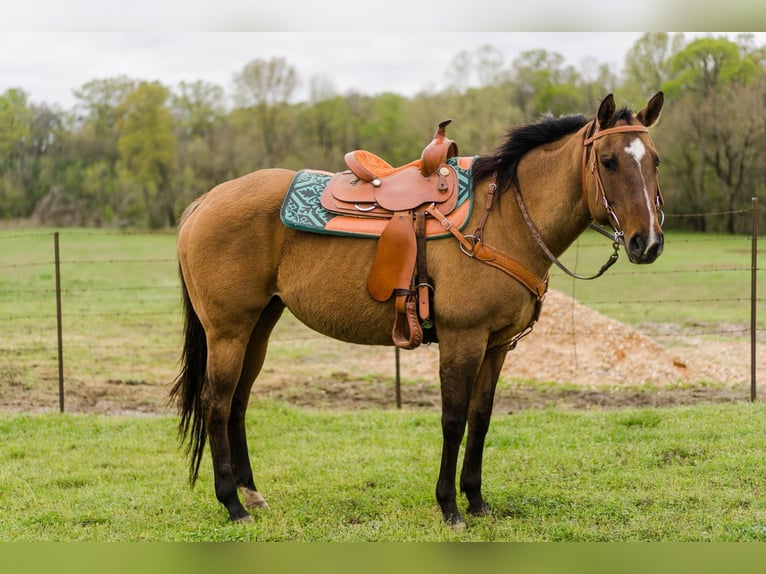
645,249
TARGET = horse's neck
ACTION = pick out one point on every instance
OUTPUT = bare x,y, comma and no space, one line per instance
550,179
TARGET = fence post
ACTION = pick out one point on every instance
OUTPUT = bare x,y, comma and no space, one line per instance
398,380
753,299
57,263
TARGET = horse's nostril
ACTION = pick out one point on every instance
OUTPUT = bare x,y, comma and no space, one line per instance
636,246
655,249
641,250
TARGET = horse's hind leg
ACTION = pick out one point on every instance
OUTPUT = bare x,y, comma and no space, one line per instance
224,366
254,358
479,414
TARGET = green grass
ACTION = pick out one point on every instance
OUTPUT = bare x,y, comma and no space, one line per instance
698,280
649,474
683,474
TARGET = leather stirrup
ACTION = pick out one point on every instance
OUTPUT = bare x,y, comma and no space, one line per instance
407,332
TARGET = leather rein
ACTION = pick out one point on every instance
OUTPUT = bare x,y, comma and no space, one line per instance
617,236
473,246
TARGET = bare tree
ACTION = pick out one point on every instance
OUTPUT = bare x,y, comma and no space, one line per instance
266,86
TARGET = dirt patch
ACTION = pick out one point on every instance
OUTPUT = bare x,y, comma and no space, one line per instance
575,358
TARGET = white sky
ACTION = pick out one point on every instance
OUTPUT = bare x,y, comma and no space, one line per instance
49,66
49,48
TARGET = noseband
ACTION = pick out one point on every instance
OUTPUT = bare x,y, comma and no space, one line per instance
618,236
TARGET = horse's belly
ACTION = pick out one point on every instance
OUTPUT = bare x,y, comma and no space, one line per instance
323,281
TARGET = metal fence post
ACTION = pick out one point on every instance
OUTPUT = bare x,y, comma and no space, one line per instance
398,380
753,299
57,262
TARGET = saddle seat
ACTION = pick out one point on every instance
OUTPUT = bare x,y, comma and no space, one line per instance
368,167
373,188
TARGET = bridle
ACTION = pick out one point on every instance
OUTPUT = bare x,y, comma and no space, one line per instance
617,236
473,246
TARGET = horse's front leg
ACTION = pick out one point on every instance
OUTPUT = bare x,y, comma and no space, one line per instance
479,414
458,366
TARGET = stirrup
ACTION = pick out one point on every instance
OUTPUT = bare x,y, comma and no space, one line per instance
407,332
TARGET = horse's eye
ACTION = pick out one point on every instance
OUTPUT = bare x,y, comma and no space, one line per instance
657,162
609,163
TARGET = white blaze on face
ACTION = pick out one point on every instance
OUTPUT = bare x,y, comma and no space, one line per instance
636,150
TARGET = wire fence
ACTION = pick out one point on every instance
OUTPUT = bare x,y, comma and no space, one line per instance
84,313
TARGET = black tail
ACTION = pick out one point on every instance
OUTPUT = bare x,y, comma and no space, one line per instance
187,389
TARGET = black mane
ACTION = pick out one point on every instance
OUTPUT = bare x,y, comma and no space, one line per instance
525,138
521,140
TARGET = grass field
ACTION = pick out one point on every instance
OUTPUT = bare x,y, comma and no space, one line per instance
635,474
699,280
681,474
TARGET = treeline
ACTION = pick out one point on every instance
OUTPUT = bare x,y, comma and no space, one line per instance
135,153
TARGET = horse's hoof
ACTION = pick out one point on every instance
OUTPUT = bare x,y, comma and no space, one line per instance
253,499
482,510
244,520
455,521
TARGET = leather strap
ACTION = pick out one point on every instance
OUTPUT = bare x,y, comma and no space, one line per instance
422,285
615,130
536,235
494,257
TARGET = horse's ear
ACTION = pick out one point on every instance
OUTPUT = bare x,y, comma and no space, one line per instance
651,113
606,110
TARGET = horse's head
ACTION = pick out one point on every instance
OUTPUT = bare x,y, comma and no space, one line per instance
620,177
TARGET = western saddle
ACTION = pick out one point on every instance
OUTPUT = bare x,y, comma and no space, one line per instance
372,188
403,197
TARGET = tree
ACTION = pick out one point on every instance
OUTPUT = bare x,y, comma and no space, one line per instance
267,86
541,83
97,115
648,64
197,107
15,135
484,67
199,111
707,63
147,147
717,131
459,72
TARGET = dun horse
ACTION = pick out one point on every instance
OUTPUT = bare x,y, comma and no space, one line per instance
241,266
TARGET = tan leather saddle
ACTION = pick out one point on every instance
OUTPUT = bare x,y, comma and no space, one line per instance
372,189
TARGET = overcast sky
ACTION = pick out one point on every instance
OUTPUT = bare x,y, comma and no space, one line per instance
49,66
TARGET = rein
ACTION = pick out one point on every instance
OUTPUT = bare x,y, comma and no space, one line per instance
617,236
536,234
473,246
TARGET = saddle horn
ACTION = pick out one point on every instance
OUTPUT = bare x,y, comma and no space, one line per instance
440,149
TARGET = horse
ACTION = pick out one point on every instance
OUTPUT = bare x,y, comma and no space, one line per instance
240,267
